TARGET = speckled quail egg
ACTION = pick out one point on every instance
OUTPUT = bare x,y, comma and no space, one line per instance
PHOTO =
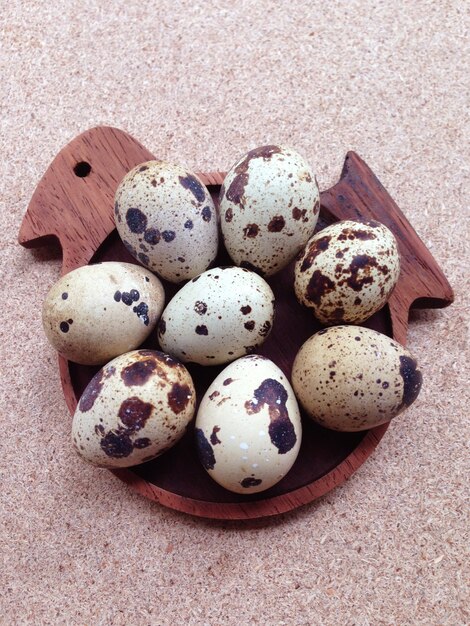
347,271
134,409
351,378
96,312
166,219
269,205
248,428
218,316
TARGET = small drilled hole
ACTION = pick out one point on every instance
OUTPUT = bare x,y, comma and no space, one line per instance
82,169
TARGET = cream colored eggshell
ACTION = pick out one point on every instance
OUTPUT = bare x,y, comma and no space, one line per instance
347,271
217,317
135,408
269,205
97,312
351,378
248,427
166,218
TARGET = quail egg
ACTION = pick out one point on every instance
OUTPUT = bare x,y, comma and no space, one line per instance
134,409
166,219
248,428
218,316
351,378
97,312
269,205
347,271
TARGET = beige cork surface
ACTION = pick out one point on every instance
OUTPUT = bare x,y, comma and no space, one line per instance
200,83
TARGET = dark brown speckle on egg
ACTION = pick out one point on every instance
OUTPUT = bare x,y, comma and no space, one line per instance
214,438
136,220
205,451
250,481
206,214
191,183
92,391
139,372
200,307
276,224
179,397
251,230
134,413
281,430
168,235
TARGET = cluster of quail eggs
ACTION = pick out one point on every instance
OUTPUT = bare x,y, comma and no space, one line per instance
248,427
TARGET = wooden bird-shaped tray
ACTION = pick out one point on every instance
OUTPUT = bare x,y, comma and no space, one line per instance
73,203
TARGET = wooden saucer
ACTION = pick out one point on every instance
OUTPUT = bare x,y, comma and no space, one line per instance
73,203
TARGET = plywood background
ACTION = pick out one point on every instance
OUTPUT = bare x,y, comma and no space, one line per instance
200,83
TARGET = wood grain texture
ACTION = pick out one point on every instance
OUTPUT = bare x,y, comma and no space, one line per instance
74,204
360,195
77,210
